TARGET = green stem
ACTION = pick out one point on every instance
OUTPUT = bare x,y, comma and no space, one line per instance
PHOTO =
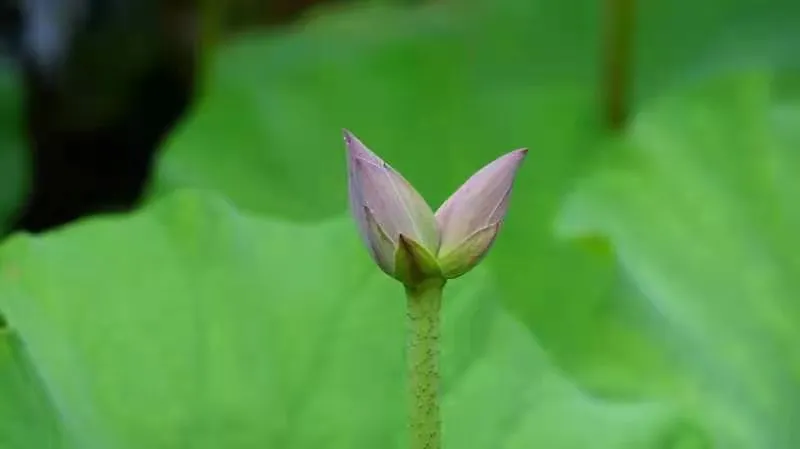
424,306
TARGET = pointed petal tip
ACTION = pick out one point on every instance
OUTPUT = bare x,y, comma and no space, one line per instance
520,152
349,138
352,141
515,157
355,148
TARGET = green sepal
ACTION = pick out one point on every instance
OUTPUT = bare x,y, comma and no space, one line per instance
413,263
468,253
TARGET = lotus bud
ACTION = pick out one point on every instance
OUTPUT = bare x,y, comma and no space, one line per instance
471,218
405,238
395,222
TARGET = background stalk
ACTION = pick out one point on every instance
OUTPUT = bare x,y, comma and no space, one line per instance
424,309
617,61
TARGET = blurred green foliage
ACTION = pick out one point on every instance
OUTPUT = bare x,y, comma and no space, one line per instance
640,294
699,204
239,332
29,418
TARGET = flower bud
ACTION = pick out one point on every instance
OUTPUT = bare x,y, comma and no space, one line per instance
386,208
405,238
471,218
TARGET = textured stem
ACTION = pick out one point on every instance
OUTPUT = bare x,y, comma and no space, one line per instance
424,306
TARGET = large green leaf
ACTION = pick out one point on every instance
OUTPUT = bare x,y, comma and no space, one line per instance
442,89
700,203
267,132
191,325
27,417
268,135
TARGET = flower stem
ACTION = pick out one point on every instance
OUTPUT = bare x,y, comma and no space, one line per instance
424,304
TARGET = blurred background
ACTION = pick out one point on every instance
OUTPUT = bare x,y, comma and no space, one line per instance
651,250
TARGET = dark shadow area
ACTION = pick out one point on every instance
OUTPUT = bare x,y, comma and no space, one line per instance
79,172
98,109
103,88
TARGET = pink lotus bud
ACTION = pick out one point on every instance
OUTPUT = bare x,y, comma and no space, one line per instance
402,233
470,219
387,207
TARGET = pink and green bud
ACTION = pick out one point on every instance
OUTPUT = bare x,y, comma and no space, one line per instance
404,237
471,218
